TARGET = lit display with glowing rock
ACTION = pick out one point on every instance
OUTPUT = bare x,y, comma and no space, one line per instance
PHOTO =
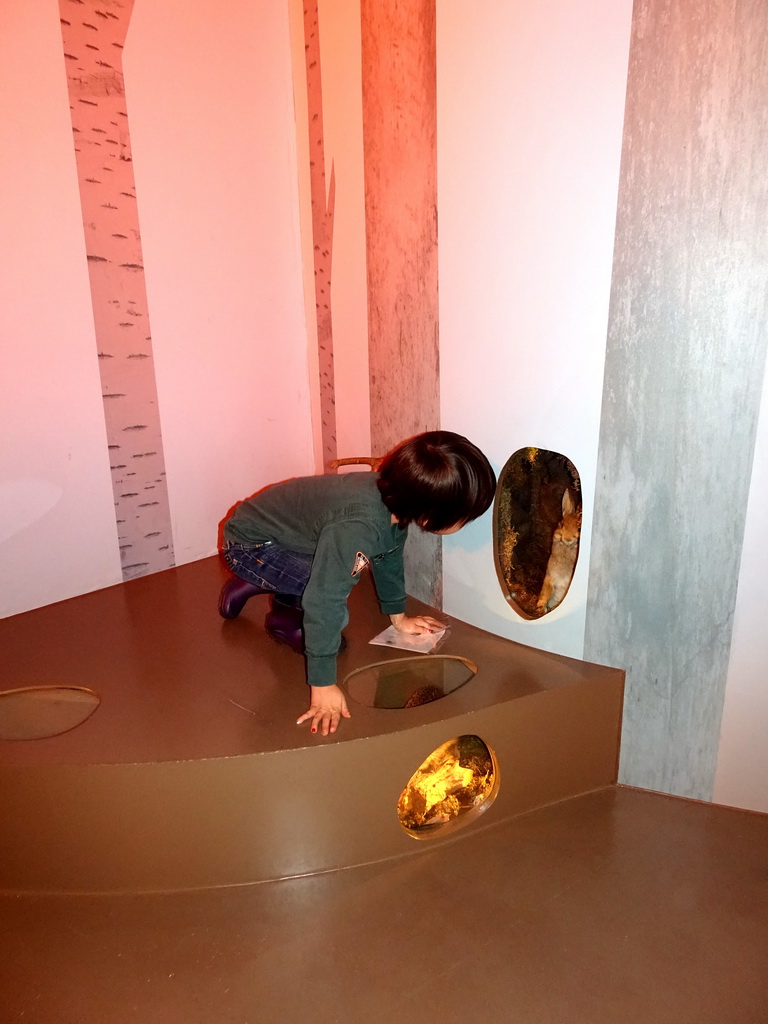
537,526
458,778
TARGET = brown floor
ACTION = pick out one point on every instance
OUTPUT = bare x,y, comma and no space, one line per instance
621,907
616,907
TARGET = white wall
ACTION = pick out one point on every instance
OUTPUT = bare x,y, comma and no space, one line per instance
742,767
530,114
210,100
57,525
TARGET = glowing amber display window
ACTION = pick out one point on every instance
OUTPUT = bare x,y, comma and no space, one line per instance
36,712
536,528
455,784
409,682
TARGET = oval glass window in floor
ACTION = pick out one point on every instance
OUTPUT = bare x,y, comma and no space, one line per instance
408,682
37,712
536,529
455,784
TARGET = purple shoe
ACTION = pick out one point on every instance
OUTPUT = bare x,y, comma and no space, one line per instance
284,623
234,594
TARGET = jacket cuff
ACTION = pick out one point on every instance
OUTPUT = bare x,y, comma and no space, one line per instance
392,607
321,671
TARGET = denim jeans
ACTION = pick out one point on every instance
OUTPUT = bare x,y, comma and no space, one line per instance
269,566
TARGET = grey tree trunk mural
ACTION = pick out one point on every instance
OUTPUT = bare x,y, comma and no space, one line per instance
93,34
685,361
322,231
400,158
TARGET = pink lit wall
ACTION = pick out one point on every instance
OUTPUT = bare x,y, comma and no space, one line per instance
215,161
209,98
58,535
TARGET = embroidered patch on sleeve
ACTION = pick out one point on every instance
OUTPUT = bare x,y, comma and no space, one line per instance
360,563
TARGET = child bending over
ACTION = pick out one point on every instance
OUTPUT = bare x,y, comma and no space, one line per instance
306,541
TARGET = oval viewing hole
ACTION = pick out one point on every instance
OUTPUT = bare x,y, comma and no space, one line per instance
408,682
536,529
37,712
455,784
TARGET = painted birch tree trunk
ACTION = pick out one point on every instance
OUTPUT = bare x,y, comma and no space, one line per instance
93,35
400,157
322,232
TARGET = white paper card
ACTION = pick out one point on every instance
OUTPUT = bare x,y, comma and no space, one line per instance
421,643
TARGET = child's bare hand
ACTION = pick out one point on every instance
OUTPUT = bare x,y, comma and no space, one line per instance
416,623
326,710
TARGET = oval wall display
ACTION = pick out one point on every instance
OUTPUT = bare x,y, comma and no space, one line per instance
37,712
536,530
408,682
451,787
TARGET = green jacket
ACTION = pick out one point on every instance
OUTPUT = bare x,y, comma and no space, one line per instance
337,519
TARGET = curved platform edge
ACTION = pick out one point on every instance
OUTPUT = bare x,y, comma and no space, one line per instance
207,823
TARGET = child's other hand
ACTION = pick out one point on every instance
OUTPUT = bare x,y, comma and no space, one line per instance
416,623
326,710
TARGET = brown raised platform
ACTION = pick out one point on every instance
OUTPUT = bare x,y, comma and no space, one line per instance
192,773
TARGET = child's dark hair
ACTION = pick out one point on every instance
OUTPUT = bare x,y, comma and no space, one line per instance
438,480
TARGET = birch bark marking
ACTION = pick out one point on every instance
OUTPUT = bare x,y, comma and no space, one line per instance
322,231
93,34
400,159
